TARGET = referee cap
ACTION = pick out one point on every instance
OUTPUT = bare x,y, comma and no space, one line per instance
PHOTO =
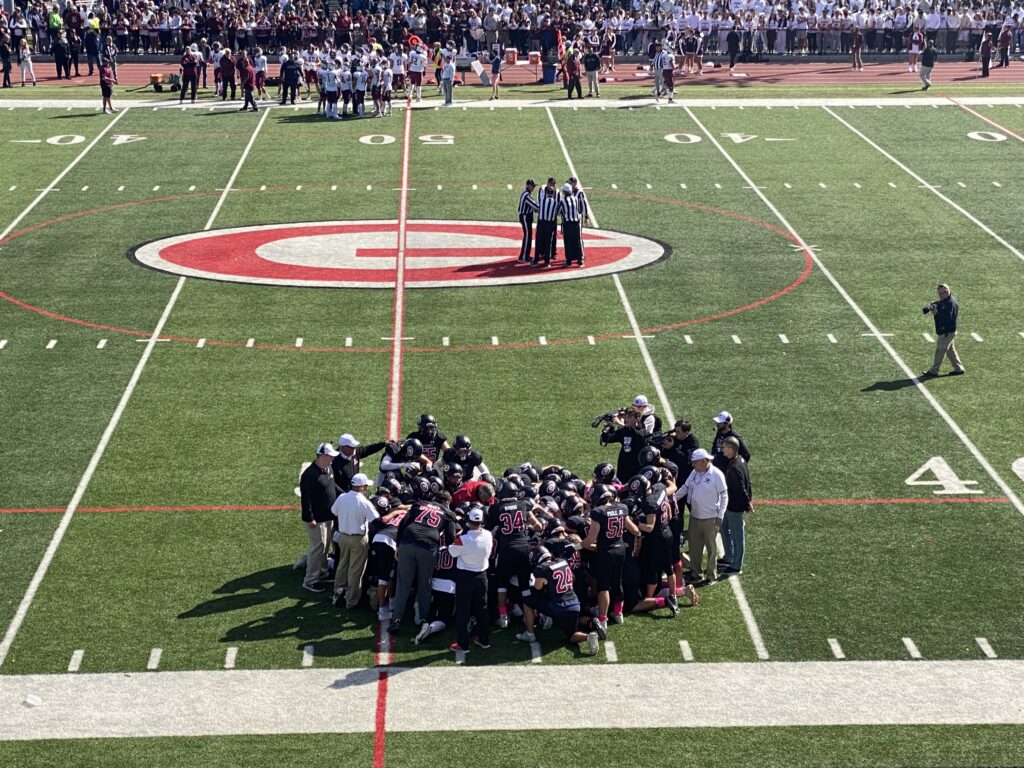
567,188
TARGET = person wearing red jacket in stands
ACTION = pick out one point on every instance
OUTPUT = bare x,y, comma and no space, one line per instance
247,75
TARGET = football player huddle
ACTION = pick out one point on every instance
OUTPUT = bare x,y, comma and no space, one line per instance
345,74
571,554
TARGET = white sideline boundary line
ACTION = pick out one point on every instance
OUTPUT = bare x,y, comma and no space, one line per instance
58,535
50,187
666,407
963,211
886,345
321,700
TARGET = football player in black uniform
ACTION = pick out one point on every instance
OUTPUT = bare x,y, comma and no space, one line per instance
434,441
442,592
419,540
462,453
508,519
383,544
402,460
653,513
553,594
609,520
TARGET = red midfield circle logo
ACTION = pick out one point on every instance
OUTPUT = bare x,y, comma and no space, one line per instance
363,254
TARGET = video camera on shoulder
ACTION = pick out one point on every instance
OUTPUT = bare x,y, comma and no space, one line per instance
607,418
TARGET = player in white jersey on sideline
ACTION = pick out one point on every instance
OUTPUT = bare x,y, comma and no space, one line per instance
387,79
417,66
399,61
375,74
346,88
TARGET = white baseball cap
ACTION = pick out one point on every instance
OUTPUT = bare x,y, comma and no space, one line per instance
700,454
567,188
475,515
723,418
640,401
326,449
347,441
360,480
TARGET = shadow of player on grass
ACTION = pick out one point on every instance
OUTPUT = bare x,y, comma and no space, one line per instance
294,613
890,386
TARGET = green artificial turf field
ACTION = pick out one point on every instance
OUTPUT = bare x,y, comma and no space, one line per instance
186,522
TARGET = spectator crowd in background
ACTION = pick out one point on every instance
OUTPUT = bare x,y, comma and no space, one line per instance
794,27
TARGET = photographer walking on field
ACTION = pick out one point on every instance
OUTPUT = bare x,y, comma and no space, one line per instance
946,310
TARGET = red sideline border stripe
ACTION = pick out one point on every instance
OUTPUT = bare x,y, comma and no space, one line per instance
286,507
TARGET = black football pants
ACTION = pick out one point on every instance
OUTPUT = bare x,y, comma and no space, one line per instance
572,241
546,234
471,602
526,222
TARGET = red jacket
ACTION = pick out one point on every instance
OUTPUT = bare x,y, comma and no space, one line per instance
249,76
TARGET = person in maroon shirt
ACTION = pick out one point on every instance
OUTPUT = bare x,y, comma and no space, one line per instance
856,44
1004,43
986,53
107,81
247,74
189,74
572,74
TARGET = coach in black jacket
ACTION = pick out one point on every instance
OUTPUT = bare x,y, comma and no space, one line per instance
723,422
737,484
317,492
346,464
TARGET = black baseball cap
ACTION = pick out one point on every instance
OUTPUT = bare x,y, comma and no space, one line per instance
531,183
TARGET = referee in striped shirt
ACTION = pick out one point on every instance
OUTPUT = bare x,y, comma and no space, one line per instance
547,226
569,209
527,206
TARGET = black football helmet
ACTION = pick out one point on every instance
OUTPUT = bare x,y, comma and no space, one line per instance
649,455
604,473
653,474
508,489
528,471
412,449
427,423
389,486
601,493
419,487
539,555
639,487
453,469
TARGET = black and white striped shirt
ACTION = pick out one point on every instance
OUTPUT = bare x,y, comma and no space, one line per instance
527,205
581,201
569,208
547,203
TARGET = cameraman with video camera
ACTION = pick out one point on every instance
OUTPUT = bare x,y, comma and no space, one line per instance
630,427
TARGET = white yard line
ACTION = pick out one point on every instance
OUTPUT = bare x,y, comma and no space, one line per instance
884,342
686,650
985,691
535,655
230,657
307,656
83,484
52,185
960,209
836,648
666,406
398,321
911,647
985,647
611,654
76,660
154,659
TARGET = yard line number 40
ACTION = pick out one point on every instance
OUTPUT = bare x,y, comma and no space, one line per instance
946,481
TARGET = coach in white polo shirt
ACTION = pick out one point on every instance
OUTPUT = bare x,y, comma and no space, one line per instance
706,492
354,512
472,550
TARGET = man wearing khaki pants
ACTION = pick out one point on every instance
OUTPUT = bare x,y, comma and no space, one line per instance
705,490
354,512
946,311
